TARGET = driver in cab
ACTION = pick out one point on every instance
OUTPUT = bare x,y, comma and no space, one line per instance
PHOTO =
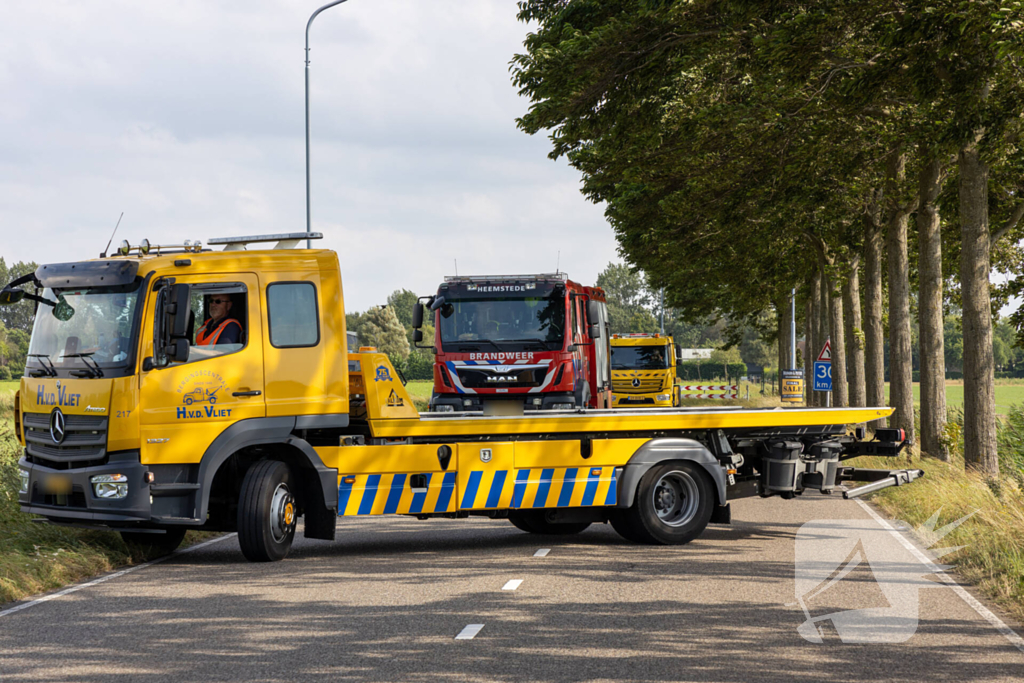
219,328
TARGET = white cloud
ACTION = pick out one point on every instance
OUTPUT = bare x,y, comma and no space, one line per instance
188,116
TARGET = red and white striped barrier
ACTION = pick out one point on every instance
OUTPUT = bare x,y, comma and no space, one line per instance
697,390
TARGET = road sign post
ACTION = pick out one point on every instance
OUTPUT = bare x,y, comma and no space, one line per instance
823,371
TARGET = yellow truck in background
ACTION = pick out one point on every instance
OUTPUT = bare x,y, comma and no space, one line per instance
174,388
644,371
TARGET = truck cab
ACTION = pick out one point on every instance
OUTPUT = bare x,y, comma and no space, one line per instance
644,371
518,342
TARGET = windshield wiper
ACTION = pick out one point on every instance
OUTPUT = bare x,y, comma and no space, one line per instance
532,340
48,370
94,367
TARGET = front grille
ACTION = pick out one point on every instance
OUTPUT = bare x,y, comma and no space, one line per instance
645,386
84,445
480,377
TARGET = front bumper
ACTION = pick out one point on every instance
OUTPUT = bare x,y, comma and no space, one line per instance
641,400
77,502
462,403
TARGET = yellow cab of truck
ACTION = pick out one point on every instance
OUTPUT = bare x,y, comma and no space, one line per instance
176,387
644,371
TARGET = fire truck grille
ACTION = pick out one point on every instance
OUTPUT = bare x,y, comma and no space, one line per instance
480,377
84,444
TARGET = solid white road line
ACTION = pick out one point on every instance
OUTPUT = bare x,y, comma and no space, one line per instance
543,552
512,585
983,611
469,632
108,577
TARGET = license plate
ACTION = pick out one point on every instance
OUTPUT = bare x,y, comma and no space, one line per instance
57,484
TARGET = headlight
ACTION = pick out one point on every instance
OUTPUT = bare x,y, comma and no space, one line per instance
444,408
663,397
109,485
562,406
24,481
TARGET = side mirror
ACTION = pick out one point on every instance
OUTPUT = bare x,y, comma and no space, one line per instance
595,330
11,296
417,335
593,314
417,316
177,312
437,303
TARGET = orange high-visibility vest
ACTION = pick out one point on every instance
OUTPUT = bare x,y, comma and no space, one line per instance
208,339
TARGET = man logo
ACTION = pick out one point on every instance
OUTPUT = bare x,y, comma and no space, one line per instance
57,426
485,455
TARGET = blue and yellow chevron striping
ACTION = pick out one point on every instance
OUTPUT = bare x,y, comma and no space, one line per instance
385,494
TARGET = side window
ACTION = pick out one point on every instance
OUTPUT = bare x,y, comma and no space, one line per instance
575,323
292,313
218,323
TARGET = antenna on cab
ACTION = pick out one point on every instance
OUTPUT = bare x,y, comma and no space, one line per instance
107,248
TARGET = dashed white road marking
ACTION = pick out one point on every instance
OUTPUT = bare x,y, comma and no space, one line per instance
983,611
108,577
512,585
469,632
543,552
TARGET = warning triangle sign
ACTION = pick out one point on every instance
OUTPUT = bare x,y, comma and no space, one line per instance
826,352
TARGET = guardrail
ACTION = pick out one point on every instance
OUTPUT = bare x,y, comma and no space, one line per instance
698,391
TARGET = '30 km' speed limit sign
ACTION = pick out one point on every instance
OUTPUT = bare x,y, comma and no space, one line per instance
822,376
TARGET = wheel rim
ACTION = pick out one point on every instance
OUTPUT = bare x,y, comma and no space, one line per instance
282,513
676,498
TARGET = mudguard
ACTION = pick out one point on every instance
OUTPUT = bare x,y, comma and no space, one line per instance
657,451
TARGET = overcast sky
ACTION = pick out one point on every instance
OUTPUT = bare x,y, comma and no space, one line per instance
188,116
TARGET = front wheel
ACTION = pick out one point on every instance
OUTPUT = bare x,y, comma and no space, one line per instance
673,505
267,512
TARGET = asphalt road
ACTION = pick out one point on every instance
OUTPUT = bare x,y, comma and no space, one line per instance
388,598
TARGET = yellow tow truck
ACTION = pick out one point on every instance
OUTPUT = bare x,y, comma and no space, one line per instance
644,371
121,431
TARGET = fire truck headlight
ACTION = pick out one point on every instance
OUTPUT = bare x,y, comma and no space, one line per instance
538,401
663,397
24,481
109,485
561,406
444,408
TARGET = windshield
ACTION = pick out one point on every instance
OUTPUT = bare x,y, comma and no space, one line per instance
507,322
639,357
94,322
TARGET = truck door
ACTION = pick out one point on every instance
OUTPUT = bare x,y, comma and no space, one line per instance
185,406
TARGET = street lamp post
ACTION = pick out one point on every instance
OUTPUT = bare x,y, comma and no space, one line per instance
309,225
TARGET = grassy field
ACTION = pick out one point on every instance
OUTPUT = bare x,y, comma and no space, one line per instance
1007,394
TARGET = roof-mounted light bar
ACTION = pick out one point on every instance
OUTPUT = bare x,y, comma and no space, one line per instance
284,240
506,278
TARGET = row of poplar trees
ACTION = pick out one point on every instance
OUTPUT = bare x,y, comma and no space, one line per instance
864,152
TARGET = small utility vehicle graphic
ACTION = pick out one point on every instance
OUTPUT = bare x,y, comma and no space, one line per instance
201,395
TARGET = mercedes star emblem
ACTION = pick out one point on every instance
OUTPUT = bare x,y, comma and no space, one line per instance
636,381
57,426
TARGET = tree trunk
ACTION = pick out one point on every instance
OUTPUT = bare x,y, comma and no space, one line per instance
933,357
979,366
808,342
854,336
782,315
840,396
814,313
874,346
901,392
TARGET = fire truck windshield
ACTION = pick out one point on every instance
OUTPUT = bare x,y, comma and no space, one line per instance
639,357
506,322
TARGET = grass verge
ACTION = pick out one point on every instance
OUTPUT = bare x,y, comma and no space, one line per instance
37,557
992,556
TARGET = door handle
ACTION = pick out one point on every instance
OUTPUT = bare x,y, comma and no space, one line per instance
246,393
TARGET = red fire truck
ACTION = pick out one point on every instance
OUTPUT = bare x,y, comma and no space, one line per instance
507,343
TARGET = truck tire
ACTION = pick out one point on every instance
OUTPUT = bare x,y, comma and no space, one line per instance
533,521
153,545
673,505
266,512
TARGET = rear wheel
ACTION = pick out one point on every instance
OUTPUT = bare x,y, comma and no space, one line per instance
673,505
535,522
153,545
267,512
